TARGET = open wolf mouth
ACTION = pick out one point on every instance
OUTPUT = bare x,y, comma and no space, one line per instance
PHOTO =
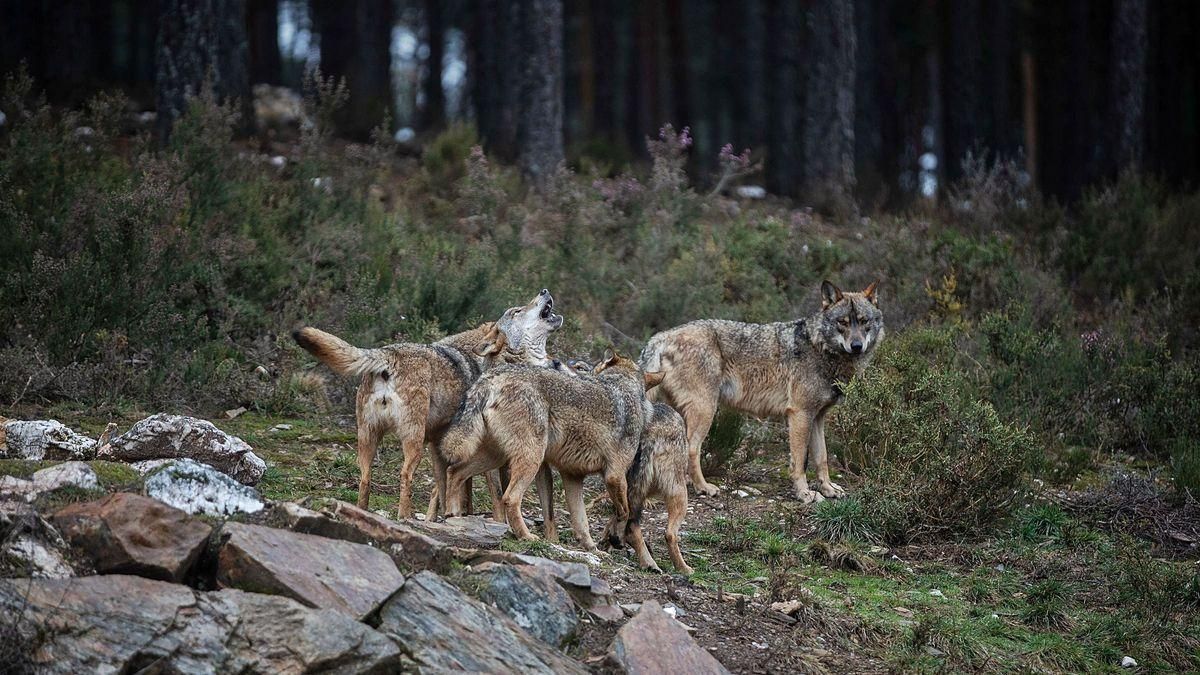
548,307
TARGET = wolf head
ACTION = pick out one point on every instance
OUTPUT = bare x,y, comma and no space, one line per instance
528,327
626,366
848,323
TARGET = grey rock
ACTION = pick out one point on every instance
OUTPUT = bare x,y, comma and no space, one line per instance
31,547
531,597
442,629
111,624
130,534
341,520
45,439
198,488
589,593
178,436
470,530
13,489
652,642
68,474
354,579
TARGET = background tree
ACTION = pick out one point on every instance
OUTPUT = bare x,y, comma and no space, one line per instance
355,39
1127,111
433,116
827,142
262,31
199,41
540,122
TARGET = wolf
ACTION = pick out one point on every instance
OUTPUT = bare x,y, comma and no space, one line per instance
792,370
413,390
523,416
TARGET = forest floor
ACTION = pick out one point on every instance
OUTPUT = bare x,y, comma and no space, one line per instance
1021,600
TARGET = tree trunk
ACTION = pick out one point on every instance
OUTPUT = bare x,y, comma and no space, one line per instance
1128,84
785,29
356,45
827,143
434,115
540,123
200,41
262,27
965,116
604,57
494,70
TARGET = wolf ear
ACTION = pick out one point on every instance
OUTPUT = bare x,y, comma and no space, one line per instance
869,293
653,379
830,294
609,355
493,342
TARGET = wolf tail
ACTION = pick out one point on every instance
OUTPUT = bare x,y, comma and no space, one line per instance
341,356
467,430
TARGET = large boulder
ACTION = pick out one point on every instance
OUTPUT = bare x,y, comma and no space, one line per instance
652,642
177,436
444,630
341,520
531,597
131,534
325,573
45,439
195,488
111,624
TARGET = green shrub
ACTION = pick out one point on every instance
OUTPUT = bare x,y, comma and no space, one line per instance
1041,523
724,438
1046,604
844,520
934,456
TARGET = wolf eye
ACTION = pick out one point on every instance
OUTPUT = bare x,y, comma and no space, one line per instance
843,321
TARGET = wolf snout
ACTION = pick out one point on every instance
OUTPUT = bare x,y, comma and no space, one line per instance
856,347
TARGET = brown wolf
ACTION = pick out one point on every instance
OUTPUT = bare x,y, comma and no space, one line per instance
790,370
413,390
659,470
522,416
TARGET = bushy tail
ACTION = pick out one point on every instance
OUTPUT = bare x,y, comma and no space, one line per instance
467,429
341,356
637,480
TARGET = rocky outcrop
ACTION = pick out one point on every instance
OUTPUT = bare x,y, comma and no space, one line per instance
465,530
531,597
341,520
652,642
131,534
45,439
590,593
442,629
324,573
198,488
116,623
177,436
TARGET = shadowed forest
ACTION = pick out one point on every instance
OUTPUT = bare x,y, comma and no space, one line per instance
185,182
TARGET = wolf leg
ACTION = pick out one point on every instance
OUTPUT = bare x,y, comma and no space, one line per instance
437,503
520,475
458,478
496,493
698,418
820,458
545,488
618,493
799,429
413,445
368,444
645,560
676,510
573,487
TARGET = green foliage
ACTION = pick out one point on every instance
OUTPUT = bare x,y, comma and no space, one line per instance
1041,523
724,438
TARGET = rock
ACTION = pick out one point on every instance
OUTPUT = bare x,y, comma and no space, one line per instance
199,488
31,547
67,474
653,642
325,573
443,630
751,192
131,534
531,597
154,626
177,436
234,412
1128,662
471,530
45,439
341,520
13,489
589,593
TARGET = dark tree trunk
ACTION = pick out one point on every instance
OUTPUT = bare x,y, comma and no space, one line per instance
1127,114
827,142
262,28
678,79
200,41
604,57
785,30
540,123
356,45
495,74
434,115
966,112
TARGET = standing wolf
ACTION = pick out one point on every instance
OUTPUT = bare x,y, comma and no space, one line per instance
413,390
790,370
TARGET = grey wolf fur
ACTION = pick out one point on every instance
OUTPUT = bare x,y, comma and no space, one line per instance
790,370
523,416
413,390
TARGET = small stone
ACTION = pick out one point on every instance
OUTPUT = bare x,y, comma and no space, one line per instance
1128,662
937,593
281,427
230,414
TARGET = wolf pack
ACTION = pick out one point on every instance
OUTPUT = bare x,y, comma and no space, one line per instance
492,401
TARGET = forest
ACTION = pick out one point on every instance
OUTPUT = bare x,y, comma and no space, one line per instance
183,183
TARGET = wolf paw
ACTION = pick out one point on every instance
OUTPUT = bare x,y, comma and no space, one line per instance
809,496
832,490
707,490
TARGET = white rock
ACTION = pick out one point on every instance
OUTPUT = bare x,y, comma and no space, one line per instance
34,558
742,493
937,593
178,436
146,466
17,489
1128,662
751,192
45,439
198,488
278,161
281,427
72,474
230,414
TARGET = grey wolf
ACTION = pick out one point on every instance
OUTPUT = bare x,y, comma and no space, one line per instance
791,370
413,390
523,416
